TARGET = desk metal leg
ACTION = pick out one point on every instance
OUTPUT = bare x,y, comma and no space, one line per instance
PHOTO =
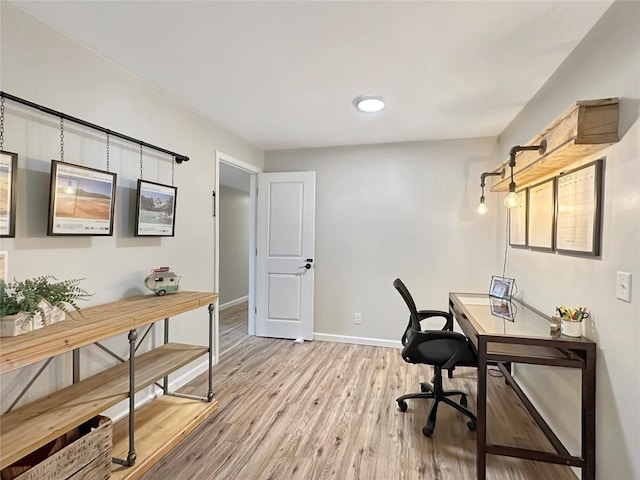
589,416
481,440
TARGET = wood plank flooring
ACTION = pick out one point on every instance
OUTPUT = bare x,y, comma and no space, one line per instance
233,326
322,410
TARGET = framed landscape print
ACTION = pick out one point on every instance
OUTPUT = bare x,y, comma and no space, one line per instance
81,201
155,209
8,172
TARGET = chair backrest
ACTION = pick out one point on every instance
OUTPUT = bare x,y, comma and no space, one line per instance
414,321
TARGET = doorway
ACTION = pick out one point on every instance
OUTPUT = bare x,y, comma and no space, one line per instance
234,252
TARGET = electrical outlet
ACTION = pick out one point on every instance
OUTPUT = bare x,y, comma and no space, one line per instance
623,286
357,318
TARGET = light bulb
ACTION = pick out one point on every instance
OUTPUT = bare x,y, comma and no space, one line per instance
482,208
512,200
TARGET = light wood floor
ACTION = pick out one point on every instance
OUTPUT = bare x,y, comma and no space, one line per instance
322,410
233,326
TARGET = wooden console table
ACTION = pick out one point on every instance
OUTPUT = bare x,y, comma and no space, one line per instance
31,426
527,339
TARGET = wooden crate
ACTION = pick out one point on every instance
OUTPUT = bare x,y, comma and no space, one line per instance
82,454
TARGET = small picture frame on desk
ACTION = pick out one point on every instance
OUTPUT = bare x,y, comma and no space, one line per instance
501,287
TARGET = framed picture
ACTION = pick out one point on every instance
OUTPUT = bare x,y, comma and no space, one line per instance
501,287
502,308
518,222
579,217
542,215
8,172
155,209
81,201
4,268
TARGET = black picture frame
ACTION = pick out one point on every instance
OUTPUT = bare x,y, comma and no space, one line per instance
579,198
501,287
155,209
517,215
81,200
542,216
8,178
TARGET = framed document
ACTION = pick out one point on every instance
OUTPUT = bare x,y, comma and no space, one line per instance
155,209
518,222
579,216
542,215
81,200
8,172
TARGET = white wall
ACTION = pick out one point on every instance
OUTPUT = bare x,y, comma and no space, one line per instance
397,210
605,64
46,67
235,223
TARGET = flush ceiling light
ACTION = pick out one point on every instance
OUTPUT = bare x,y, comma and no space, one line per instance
369,103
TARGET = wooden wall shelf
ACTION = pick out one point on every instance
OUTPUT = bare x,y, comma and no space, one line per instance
583,129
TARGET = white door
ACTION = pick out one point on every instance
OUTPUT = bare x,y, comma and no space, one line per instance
285,263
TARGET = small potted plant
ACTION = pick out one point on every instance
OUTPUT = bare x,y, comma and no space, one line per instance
33,303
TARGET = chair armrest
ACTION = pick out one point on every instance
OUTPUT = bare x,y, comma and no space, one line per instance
422,314
415,338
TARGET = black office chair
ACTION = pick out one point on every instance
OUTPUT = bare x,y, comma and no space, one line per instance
443,349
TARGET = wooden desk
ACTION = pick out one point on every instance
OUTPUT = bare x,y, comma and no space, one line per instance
527,339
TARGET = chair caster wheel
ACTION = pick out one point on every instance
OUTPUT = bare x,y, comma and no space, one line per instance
472,425
463,401
427,431
402,405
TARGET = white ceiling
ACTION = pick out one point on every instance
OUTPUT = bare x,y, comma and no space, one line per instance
284,74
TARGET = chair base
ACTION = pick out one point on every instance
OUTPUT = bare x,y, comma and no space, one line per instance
435,391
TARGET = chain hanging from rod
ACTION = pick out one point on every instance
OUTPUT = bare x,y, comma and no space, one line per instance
107,151
1,123
140,161
173,171
61,139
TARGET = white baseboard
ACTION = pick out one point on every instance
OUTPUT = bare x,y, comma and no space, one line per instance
373,342
232,303
120,411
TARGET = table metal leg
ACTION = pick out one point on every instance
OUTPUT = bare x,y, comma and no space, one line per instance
481,440
211,318
131,455
589,416
165,383
76,365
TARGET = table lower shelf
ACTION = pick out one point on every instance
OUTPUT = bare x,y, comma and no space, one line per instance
160,425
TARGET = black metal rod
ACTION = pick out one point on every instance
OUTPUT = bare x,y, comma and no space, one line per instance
76,365
211,318
178,157
165,382
131,456
28,386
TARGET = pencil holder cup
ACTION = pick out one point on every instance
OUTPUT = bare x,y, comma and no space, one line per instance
571,328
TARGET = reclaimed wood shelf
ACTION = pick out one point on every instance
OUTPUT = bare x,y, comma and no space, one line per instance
94,324
585,128
165,418
29,427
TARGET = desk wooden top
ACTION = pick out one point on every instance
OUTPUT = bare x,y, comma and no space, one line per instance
94,324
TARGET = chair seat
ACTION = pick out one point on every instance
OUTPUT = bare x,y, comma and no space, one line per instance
439,352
